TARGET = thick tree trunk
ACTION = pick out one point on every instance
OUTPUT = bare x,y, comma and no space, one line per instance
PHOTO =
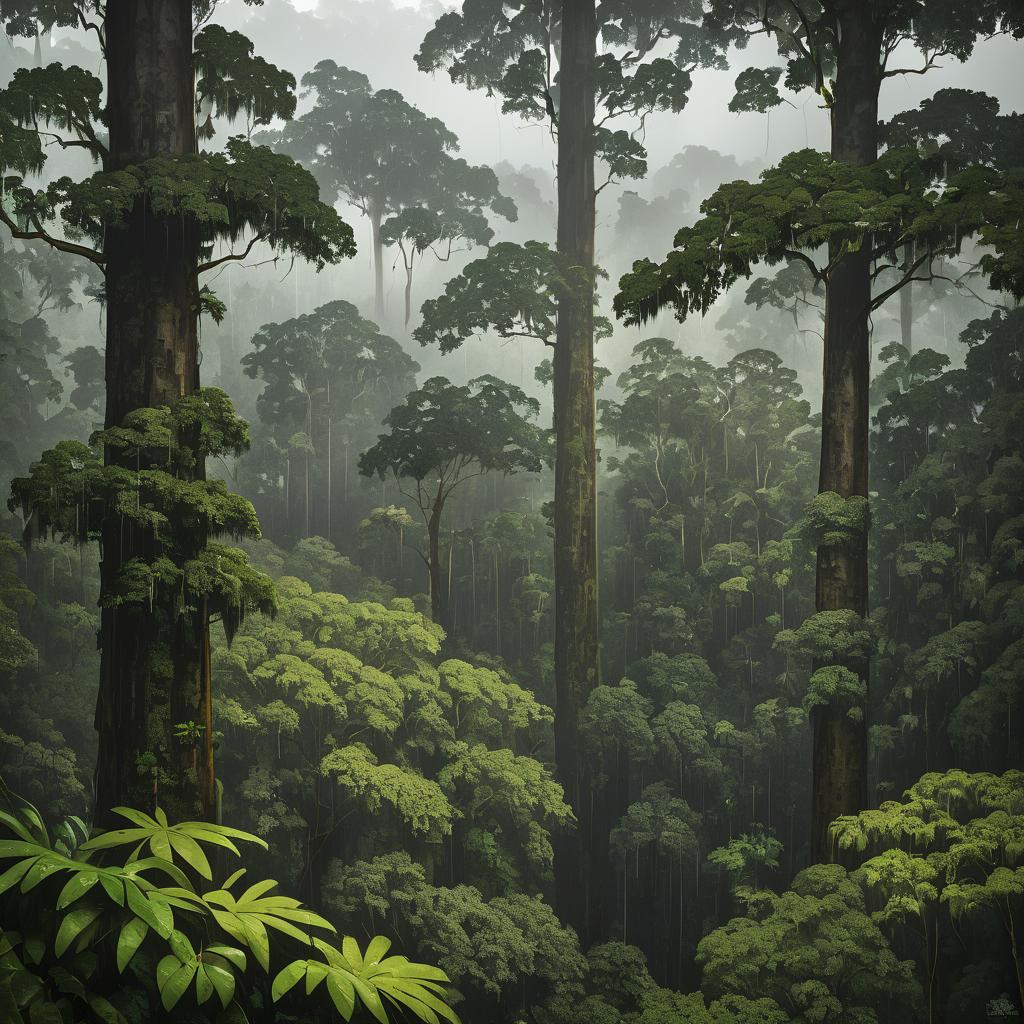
840,743
577,879
155,665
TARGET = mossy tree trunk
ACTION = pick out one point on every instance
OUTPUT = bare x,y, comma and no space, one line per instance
577,879
839,742
155,660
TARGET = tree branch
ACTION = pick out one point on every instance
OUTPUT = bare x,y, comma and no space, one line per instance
93,145
795,254
231,256
56,243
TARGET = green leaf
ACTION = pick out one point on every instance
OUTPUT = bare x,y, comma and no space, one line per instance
342,993
223,982
234,956
16,827
132,936
114,888
315,973
77,885
157,916
40,870
105,1010
167,966
181,947
287,978
204,986
115,837
370,999
233,877
72,925
44,1013
176,985
13,875
350,950
17,848
378,947
257,940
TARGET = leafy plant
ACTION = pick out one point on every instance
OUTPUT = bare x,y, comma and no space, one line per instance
63,904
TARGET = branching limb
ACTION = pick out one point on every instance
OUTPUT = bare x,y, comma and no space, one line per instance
39,235
231,257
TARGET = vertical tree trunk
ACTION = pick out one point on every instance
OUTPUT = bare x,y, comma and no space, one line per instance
438,604
576,616
376,215
839,743
154,668
907,302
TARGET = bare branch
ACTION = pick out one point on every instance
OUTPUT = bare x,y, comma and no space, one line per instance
56,243
232,257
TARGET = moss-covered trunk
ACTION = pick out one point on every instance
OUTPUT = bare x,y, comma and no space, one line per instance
575,509
155,658
840,742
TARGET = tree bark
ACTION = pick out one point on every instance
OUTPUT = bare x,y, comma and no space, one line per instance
839,756
577,879
438,604
376,216
154,669
907,302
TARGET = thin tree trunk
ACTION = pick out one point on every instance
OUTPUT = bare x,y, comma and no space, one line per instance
907,302
840,743
575,515
437,602
154,672
376,215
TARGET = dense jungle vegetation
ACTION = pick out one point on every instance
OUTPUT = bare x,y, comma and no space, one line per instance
422,597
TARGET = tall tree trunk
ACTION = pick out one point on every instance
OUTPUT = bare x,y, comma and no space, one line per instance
840,743
576,617
154,669
376,216
438,605
907,302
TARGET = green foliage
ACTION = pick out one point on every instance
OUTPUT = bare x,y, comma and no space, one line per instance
830,520
508,52
839,635
70,490
60,901
383,155
419,802
490,948
512,291
743,857
231,79
813,953
811,200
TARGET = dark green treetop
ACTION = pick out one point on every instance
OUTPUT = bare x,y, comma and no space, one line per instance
513,50
242,190
458,431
